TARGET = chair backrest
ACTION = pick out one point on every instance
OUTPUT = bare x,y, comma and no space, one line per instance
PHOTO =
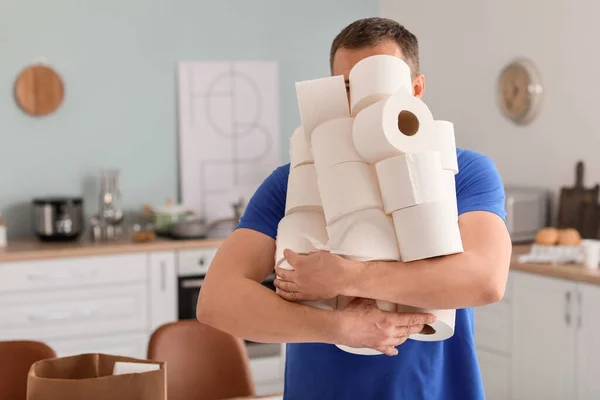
16,357
202,362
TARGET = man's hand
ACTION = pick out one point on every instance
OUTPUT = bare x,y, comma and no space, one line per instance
317,276
362,325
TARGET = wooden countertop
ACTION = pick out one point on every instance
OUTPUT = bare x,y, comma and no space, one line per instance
571,272
35,250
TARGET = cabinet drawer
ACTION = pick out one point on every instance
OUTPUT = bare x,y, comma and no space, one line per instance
495,373
195,262
74,312
493,327
123,345
72,272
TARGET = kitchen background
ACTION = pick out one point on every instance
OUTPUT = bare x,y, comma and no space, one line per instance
118,62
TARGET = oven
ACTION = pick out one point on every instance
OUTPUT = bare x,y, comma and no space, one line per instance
192,266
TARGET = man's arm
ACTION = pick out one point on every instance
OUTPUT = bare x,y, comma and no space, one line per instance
233,300
473,278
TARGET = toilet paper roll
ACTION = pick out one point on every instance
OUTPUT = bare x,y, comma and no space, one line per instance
301,232
397,125
449,185
364,235
441,329
332,144
375,78
427,230
302,190
411,179
300,152
446,144
358,351
320,100
386,306
348,187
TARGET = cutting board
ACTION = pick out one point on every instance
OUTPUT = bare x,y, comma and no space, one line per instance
578,206
39,90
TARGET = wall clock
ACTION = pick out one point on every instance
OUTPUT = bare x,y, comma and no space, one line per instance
519,91
39,90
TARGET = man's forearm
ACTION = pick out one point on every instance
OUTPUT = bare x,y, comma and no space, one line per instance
450,282
246,309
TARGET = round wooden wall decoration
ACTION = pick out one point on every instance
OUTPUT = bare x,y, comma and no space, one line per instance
39,90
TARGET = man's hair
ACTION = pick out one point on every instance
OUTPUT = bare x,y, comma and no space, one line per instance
372,31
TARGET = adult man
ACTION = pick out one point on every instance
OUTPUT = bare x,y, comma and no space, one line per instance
234,301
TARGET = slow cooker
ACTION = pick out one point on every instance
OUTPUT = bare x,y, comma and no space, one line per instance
58,218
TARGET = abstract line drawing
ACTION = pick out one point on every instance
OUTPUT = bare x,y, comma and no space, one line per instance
228,132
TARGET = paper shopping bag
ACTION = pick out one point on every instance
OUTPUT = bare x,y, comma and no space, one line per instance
90,377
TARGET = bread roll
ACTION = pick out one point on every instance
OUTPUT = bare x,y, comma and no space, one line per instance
547,236
569,237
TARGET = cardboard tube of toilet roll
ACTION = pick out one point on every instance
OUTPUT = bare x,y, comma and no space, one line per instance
397,125
446,144
411,179
300,152
374,78
332,144
441,329
348,187
300,232
302,190
320,100
427,230
364,235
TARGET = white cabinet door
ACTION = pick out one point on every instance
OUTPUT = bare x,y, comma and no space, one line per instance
543,338
163,289
495,373
132,345
588,343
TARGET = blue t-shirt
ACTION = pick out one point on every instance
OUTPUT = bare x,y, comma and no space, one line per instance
444,370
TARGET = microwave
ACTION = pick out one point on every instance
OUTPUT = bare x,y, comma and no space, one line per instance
527,211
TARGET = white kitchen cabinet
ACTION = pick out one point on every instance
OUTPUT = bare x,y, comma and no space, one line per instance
544,337
129,345
588,342
162,289
495,373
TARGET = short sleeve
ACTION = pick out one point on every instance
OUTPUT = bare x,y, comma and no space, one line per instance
267,205
479,186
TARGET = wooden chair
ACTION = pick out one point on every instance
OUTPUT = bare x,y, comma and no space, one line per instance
16,357
202,362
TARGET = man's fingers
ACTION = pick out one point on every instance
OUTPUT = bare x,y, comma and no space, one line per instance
285,274
294,259
285,285
411,319
405,331
388,350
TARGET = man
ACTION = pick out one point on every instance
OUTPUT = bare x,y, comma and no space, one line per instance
233,300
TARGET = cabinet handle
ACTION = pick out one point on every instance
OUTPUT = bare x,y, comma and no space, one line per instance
568,308
580,309
192,283
163,276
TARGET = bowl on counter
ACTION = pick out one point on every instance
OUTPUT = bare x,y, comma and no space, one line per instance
165,217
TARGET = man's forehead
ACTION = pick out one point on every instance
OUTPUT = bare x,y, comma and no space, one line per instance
344,59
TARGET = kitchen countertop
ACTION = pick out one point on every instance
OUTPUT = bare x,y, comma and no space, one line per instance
33,249
571,272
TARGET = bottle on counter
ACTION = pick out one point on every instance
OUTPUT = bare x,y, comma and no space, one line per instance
2,232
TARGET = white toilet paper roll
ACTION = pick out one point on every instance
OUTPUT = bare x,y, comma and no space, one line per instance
375,78
348,187
364,235
446,144
300,152
358,351
302,190
399,124
386,306
427,230
332,144
441,329
449,184
320,100
411,179
302,232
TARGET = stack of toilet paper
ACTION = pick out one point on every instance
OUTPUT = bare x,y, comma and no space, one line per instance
375,172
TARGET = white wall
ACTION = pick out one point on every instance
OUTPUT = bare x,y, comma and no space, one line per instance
464,45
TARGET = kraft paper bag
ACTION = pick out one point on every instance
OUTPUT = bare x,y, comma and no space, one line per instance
90,377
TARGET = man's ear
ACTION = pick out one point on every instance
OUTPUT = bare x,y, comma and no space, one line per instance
419,86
